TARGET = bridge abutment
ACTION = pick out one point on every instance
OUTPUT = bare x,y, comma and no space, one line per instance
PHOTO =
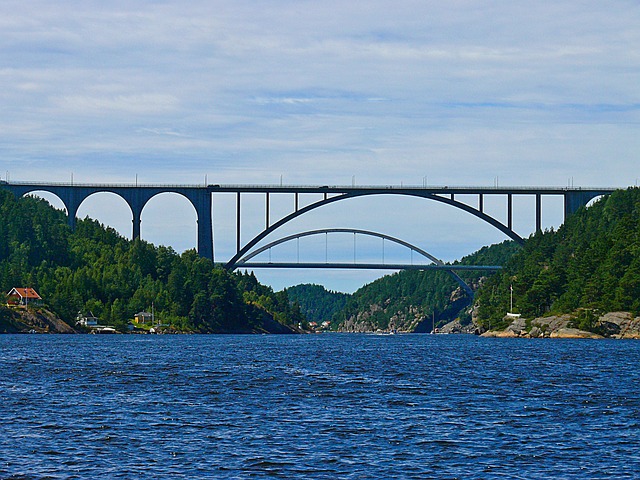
573,200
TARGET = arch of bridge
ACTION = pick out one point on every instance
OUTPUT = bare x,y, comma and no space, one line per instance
136,198
345,196
422,252
370,233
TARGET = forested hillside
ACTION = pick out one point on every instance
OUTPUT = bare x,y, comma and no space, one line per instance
412,300
95,269
316,303
589,266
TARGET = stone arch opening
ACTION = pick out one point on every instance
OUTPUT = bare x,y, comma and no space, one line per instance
110,209
594,200
51,198
170,219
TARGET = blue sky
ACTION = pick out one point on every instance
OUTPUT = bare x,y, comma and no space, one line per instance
454,93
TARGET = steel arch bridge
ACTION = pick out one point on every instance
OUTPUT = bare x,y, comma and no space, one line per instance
574,198
436,264
200,196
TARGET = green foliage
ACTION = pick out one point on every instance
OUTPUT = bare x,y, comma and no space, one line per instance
317,303
591,262
95,269
587,319
413,295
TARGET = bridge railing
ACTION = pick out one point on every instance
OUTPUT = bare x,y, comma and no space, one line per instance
339,188
100,185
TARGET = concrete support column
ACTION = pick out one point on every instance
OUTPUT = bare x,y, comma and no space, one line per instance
238,222
72,211
538,212
267,211
136,201
72,198
137,220
205,224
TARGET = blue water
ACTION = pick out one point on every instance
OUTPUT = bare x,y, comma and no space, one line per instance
317,406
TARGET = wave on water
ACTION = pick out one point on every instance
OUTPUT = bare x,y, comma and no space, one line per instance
323,406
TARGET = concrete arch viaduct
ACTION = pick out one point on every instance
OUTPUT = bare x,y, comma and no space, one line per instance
200,197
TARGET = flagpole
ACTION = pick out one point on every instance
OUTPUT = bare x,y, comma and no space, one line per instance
511,304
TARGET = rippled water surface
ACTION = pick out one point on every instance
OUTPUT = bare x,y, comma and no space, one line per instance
317,406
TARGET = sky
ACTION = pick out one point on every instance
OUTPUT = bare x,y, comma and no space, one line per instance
321,93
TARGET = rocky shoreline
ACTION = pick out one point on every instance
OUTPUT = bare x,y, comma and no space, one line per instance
38,320
619,325
41,320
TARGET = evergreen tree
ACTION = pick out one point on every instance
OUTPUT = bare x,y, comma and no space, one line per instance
591,262
95,269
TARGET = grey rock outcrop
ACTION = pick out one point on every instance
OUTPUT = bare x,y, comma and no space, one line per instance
610,325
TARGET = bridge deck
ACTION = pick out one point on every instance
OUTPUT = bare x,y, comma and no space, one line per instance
239,188
365,266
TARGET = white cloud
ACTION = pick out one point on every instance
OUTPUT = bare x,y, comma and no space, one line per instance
139,104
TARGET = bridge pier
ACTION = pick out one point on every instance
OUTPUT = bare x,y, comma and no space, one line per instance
136,202
136,223
72,200
267,211
237,222
573,200
202,204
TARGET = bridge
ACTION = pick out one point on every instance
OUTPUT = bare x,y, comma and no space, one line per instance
436,264
200,196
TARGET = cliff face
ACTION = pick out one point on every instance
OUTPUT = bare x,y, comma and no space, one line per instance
36,320
362,321
405,320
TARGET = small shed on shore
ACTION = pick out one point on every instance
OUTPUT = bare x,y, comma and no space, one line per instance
143,317
23,296
89,320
